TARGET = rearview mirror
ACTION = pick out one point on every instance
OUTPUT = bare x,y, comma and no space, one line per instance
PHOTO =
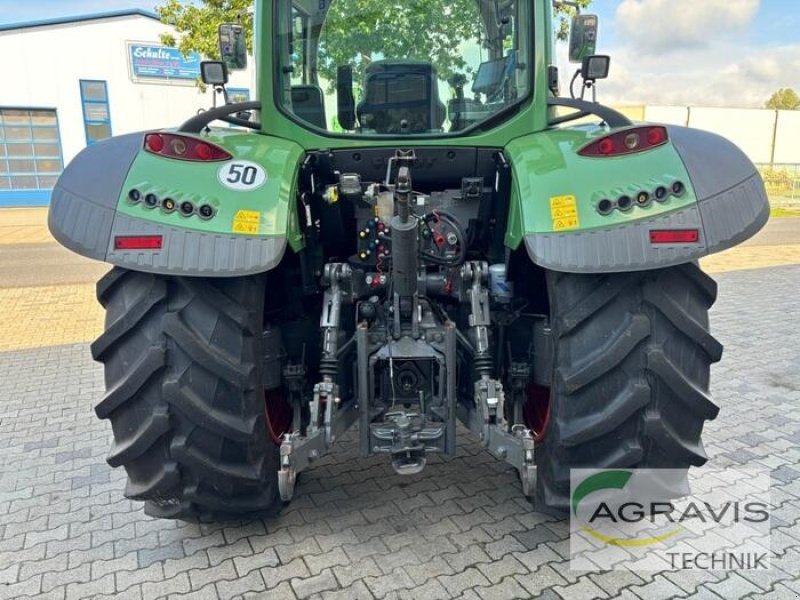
582,37
504,11
213,72
233,46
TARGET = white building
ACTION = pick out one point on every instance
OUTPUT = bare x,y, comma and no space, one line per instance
72,81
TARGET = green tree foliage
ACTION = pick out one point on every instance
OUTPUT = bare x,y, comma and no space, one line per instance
784,99
197,23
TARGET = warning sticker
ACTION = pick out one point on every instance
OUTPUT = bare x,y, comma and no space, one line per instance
564,212
246,221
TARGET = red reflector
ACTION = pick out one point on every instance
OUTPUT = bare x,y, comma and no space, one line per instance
154,142
606,146
675,236
656,136
138,242
203,151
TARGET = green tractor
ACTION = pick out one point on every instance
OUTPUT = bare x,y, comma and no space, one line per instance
383,240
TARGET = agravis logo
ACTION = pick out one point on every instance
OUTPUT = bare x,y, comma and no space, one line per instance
652,513
614,480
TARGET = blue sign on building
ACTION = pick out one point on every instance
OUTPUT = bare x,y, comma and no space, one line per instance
160,62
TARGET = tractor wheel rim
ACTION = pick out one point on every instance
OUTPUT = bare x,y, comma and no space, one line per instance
279,415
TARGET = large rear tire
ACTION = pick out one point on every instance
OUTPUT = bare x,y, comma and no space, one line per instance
632,355
183,372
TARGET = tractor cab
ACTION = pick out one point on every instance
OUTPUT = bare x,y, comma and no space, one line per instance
434,67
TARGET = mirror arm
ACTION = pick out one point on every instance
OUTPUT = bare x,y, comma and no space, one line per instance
221,88
241,122
570,117
198,122
609,115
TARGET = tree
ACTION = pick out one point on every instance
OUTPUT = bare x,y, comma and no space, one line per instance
422,30
784,99
197,23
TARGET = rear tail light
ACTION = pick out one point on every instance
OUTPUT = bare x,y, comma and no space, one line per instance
154,142
183,148
656,136
138,242
674,236
629,141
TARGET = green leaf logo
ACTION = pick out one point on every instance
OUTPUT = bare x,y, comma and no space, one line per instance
599,481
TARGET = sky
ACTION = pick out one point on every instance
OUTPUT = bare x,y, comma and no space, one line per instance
674,52
697,52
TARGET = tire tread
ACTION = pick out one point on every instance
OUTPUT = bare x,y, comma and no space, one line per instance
184,394
640,398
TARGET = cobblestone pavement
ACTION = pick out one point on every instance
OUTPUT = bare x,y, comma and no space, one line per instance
24,226
461,529
28,319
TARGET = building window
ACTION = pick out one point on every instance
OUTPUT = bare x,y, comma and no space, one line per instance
96,113
30,149
238,95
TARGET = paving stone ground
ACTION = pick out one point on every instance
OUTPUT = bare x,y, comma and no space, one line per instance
461,529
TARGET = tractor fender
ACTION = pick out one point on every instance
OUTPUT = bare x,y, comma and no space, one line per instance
91,208
723,200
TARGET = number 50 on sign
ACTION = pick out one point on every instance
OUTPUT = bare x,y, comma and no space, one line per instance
242,175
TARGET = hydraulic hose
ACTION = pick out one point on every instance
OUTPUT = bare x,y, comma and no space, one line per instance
454,261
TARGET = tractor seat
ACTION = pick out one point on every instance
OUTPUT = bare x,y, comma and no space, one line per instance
401,97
